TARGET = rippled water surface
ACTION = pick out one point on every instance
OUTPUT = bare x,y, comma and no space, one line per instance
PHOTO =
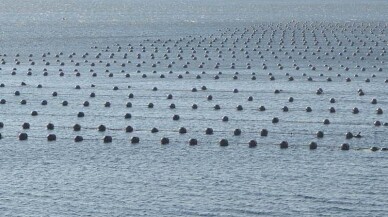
132,54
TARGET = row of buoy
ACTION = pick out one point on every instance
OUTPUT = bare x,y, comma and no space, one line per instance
355,110
217,52
209,97
236,73
257,52
270,75
170,96
192,142
345,54
182,130
235,77
319,91
255,43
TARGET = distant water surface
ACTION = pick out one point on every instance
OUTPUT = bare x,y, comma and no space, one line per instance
48,23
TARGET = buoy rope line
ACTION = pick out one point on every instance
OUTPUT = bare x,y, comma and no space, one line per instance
346,97
247,107
346,93
202,131
140,117
207,142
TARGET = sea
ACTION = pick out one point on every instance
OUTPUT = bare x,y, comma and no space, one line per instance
198,83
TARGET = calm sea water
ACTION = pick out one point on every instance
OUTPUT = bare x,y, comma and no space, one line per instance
92,178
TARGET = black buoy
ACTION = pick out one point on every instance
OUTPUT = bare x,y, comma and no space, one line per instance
26,126
209,131
275,120
154,130
252,143
182,130
129,129
175,117
224,142
264,132
237,132
78,139
193,142
345,146
135,140
349,135
23,136
225,118
50,126
320,134
80,114
164,141
313,145
51,137
107,139
283,145
77,127
128,116
101,128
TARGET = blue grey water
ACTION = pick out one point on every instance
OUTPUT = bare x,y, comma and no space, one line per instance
93,178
